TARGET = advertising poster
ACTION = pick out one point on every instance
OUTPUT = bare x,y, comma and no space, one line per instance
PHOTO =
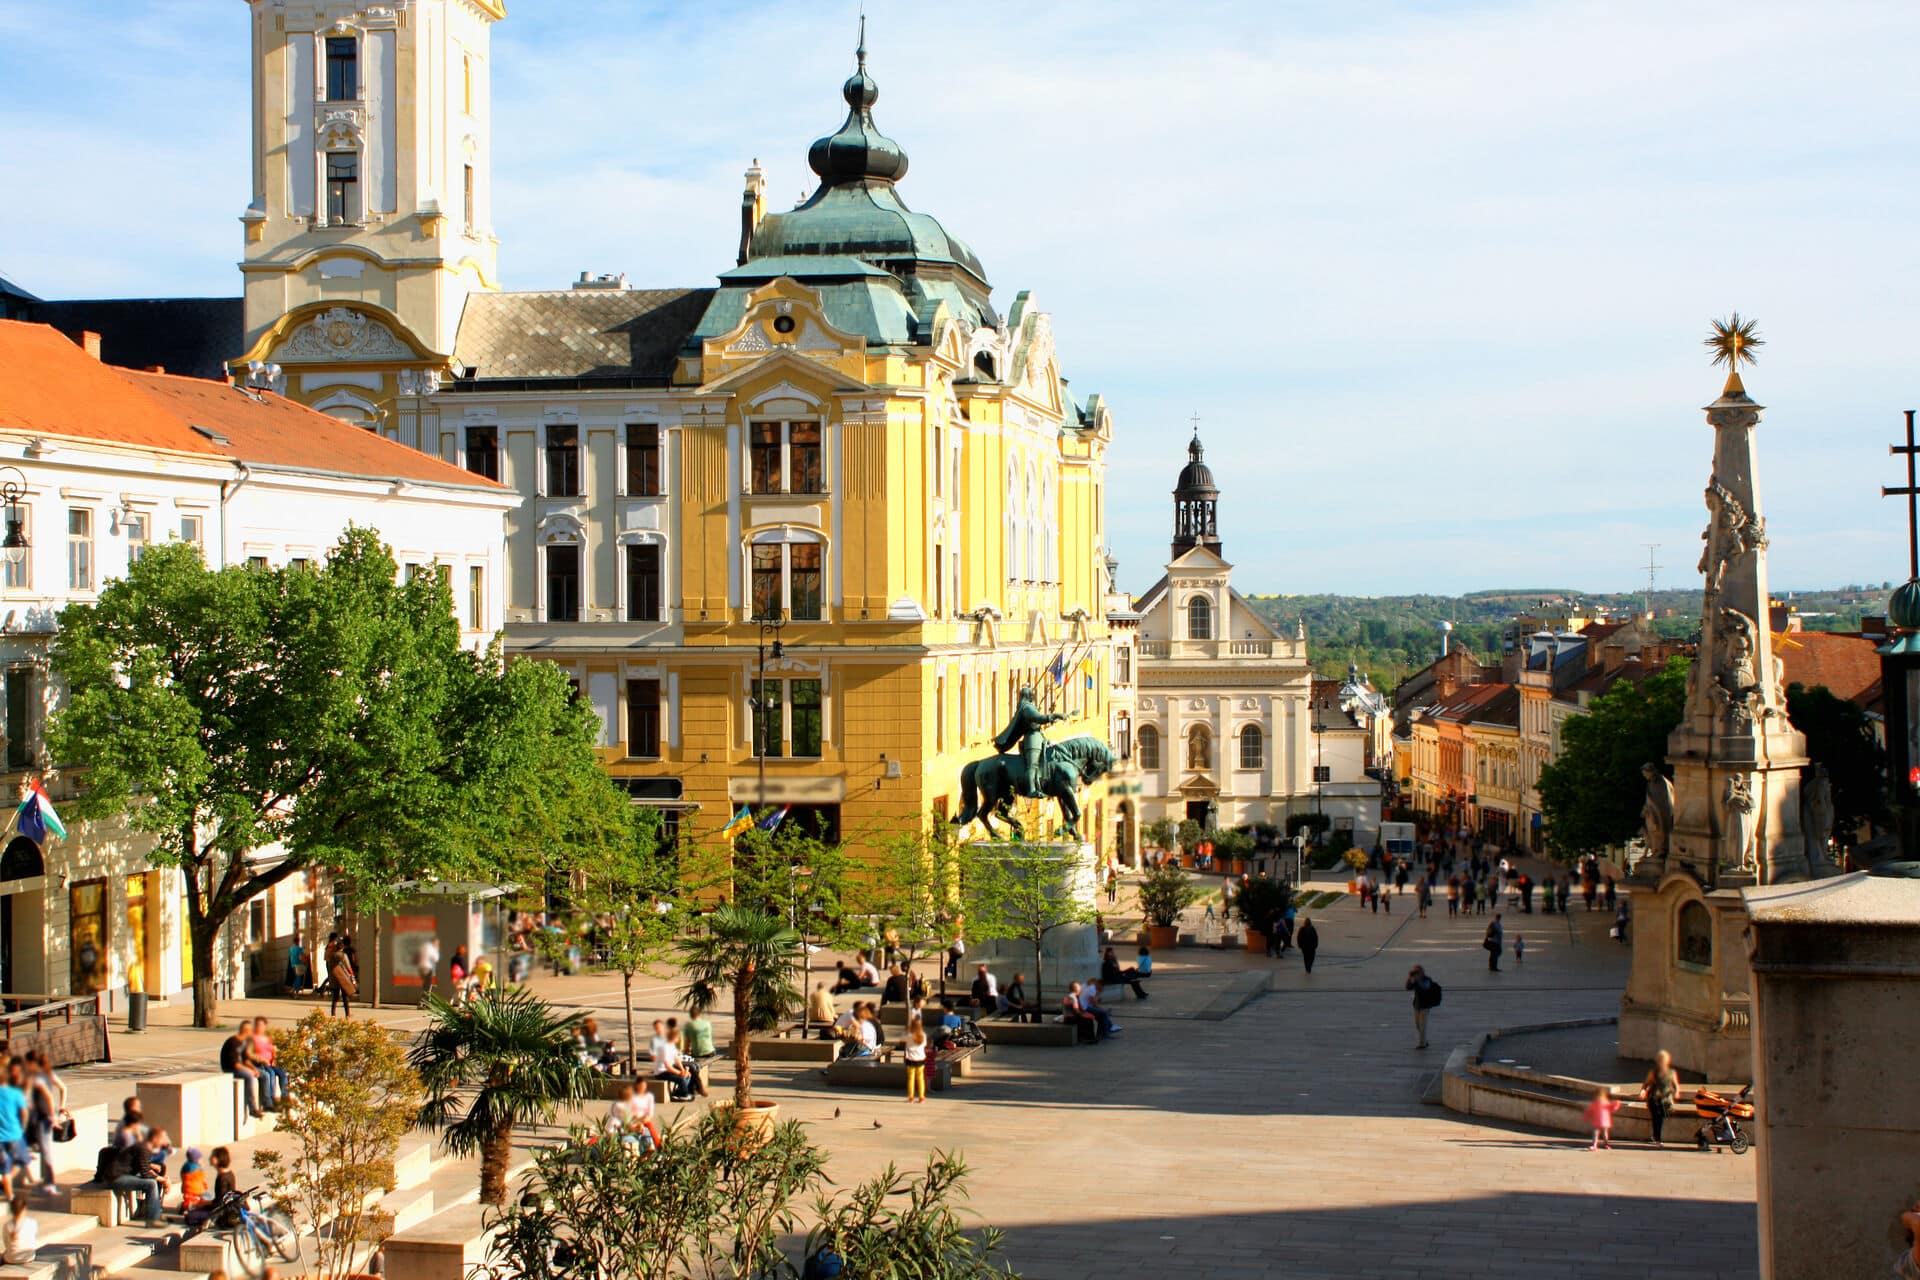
410,934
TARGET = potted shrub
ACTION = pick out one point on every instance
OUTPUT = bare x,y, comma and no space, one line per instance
1258,902
1165,892
1189,834
1356,863
1161,834
1230,850
752,953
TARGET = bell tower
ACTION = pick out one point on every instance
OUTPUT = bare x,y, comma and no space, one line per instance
1196,504
371,217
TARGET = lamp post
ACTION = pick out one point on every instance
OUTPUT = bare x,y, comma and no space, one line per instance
1299,858
770,628
14,545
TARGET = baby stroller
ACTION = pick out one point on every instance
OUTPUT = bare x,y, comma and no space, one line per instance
1719,1117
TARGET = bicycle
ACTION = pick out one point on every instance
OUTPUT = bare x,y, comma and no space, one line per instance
257,1234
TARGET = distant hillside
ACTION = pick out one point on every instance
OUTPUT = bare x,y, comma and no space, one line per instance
1392,636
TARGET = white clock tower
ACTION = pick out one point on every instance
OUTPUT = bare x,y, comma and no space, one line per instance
371,214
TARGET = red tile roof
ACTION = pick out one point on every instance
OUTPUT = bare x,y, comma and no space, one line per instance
272,431
1479,702
1846,663
49,386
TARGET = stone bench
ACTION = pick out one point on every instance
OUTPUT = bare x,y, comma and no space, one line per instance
1047,1034
775,1047
104,1204
199,1108
447,1246
891,1073
610,1087
91,1129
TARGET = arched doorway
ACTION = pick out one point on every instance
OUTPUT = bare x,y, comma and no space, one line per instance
23,870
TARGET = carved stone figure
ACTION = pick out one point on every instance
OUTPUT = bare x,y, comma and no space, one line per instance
1657,815
1023,734
1740,823
1816,819
341,333
1737,532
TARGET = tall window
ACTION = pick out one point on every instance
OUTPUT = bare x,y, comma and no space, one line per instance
466,83
643,460
483,451
343,68
643,582
343,186
768,717
788,576
1199,618
1011,523
643,718
20,576
466,195
788,713
20,727
805,730
476,597
79,549
190,529
1199,747
1123,664
1149,747
134,525
563,462
1253,747
1123,736
1036,567
939,580
784,457
563,582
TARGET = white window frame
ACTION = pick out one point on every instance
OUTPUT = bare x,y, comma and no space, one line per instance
786,538
579,544
785,486
666,571
660,436
90,544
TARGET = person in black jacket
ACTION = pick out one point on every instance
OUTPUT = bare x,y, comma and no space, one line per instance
1112,975
129,1167
1426,995
1308,941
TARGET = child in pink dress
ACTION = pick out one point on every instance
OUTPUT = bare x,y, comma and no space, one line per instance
1600,1117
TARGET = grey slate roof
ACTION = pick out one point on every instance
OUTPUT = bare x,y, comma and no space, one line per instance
577,333
193,337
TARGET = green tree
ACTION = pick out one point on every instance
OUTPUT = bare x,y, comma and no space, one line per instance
495,1064
333,712
1592,795
351,1098
1166,891
751,953
1840,736
893,1225
913,888
1023,893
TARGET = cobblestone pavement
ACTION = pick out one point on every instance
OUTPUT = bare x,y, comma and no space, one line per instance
1287,1140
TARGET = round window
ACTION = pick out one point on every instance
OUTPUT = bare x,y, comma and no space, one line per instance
783,324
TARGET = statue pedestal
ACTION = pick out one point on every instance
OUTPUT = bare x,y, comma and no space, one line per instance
1689,989
1836,987
1071,953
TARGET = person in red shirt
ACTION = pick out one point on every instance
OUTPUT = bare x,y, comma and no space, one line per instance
1600,1117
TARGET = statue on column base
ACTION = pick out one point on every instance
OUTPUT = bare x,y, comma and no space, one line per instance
1656,822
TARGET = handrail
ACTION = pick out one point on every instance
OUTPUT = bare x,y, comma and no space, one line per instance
59,1009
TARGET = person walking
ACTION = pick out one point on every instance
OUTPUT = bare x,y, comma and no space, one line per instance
1613,894
1661,1091
1308,941
428,963
916,1058
1494,943
1426,997
1600,1119
1519,949
1453,896
1425,896
342,983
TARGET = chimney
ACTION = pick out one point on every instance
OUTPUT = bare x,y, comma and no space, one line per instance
753,206
90,343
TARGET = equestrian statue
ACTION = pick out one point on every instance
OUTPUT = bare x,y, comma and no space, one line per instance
1028,765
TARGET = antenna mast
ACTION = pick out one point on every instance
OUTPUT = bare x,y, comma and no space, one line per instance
1652,570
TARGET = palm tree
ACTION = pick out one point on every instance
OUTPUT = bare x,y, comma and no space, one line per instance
753,953
515,1054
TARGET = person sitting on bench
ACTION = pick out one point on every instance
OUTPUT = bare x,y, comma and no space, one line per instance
820,1010
897,989
986,991
1014,1002
668,1065
1111,974
1071,1013
1089,995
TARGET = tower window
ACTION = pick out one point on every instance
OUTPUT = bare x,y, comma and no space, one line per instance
343,68
343,187
563,583
1199,618
643,718
466,192
483,451
563,462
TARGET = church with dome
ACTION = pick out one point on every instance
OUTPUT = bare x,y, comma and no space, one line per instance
799,534
1227,727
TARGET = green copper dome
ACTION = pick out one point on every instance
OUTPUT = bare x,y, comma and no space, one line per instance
1904,609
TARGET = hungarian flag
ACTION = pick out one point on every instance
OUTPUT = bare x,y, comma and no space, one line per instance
36,818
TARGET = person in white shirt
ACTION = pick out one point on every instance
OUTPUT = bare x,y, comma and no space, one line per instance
669,1066
986,990
429,964
1090,1003
869,972
630,1119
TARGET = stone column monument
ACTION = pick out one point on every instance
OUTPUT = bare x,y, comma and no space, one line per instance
1735,802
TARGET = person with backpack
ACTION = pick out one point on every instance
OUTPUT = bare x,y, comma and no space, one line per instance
1426,998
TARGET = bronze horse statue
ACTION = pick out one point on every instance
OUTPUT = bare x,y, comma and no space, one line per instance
988,787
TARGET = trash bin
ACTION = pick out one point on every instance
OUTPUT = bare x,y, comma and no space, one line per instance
136,1011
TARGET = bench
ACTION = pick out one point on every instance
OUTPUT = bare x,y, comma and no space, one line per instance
447,1246
891,1072
783,1048
1047,1034
102,1203
610,1087
197,1108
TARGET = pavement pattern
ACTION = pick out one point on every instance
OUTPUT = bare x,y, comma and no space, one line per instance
1289,1139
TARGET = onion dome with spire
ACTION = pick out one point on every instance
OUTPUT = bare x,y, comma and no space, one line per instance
882,268
1196,504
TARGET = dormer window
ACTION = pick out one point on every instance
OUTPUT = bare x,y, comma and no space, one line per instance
343,69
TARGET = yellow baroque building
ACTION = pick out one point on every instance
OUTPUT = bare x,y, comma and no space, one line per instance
843,436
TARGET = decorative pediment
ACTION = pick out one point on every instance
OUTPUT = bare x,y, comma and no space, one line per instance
339,128
1199,784
783,316
787,373
341,333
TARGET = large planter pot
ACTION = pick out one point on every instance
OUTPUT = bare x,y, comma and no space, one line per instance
1239,866
756,1122
1186,860
1163,937
1256,941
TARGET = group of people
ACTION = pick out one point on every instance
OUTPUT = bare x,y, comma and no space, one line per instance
134,1162
33,1102
250,1056
1660,1091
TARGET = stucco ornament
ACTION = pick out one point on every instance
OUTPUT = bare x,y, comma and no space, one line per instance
341,333
1740,822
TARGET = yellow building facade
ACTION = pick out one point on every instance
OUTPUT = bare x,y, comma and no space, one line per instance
844,436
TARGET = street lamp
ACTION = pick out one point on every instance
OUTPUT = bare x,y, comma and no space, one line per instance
1299,858
13,546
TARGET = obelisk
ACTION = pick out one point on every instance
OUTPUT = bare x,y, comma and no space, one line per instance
1736,757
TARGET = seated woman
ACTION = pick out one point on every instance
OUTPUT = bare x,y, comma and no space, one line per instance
590,1048
631,1120
1144,961
846,979
1111,974
897,988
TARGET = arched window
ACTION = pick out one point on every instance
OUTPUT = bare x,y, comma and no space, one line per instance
1199,618
1036,567
22,860
1199,747
1253,747
1012,533
1049,530
1149,747
1693,936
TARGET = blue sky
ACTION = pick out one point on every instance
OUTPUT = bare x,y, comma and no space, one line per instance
1433,275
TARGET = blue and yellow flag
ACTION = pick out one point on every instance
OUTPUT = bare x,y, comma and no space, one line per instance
742,821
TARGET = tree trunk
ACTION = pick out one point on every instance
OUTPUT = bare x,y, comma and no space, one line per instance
626,992
742,1040
201,934
1039,979
496,1154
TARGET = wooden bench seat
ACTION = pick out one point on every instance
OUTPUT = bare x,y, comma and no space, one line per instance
891,1072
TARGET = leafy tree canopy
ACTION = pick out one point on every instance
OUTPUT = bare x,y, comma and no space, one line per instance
1840,736
1592,796
330,712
